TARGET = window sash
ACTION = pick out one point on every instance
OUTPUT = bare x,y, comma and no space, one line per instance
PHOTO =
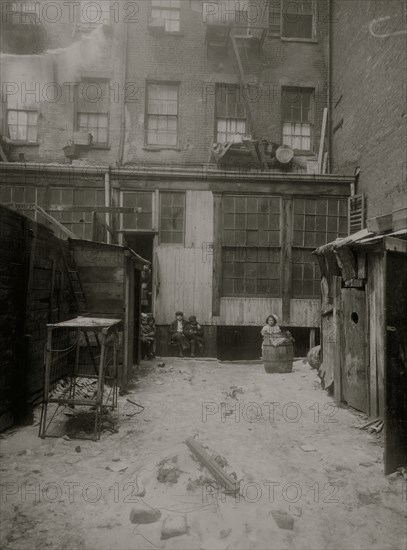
140,220
170,11
95,123
251,271
172,218
298,19
162,114
297,118
22,125
230,129
306,278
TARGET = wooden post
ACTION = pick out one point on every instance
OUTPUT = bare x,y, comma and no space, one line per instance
286,258
108,205
43,422
337,319
217,255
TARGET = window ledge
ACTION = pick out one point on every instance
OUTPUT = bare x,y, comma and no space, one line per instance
301,153
25,143
165,33
160,148
100,146
306,40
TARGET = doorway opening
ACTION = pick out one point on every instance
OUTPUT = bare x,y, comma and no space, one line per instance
143,245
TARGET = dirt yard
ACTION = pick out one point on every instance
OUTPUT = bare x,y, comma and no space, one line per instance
308,477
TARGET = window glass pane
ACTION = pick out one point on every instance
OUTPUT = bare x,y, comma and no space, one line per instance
172,214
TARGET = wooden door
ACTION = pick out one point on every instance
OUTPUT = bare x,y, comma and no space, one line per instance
354,356
395,377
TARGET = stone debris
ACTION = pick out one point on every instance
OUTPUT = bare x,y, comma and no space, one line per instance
174,526
295,510
168,471
116,467
144,515
307,448
283,519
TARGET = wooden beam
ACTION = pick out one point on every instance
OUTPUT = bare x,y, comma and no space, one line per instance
337,320
217,255
322,140
393,244
286,257
99,209
55,222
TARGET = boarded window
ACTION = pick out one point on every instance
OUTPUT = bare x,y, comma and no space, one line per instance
315,222
299,19
172,218
162,114
22,125
297,117
230,113
170,11
142,219
251,246
93,109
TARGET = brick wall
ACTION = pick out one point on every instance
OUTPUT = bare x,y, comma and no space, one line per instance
369,98
182,57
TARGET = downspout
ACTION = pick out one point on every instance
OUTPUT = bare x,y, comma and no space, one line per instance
329,126
123,92
107,204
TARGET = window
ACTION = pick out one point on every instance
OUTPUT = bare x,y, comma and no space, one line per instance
172,218
93,109
170,11
19,197
251,246
96,124
162,114
79,223
297,117
22,125
138,220
315,222
230,113
298,19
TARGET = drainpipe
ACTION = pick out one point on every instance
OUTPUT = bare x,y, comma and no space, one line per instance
329,86
107,204
123,91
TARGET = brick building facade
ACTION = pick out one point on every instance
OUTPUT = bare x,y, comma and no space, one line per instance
369,98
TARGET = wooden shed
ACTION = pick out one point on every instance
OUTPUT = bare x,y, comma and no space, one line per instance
364,330
110,276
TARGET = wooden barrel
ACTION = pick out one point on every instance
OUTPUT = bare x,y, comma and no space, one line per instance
278,358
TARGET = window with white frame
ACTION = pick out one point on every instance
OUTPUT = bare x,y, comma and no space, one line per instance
297,117
231,122
162,114
22,125
170,11
298,19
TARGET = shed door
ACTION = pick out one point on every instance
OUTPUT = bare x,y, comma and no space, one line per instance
395,410
355,367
